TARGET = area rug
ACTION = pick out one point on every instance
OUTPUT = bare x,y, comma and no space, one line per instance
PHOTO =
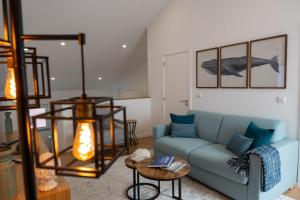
112,186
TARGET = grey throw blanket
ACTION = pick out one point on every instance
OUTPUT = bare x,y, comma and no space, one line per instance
270,165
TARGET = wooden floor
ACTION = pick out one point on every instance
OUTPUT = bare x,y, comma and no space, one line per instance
148,143
294,193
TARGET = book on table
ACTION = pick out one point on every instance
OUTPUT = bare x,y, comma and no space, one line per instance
162,161
176,166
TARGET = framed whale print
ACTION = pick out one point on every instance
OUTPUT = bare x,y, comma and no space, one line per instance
234,65
207,68
268,61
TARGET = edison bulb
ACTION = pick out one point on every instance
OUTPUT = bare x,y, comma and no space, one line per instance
10,85
84,143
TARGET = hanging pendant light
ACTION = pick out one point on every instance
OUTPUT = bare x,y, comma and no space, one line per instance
37,66
91,121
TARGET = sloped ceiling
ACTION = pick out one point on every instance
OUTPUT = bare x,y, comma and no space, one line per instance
107,23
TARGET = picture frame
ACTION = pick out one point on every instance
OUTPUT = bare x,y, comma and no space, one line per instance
268,63
234,65
207,68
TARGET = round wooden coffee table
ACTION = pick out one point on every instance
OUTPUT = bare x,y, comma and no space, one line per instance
160,174
136,182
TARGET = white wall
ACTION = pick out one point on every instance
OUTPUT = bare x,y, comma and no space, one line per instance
201,24
133,80
140,110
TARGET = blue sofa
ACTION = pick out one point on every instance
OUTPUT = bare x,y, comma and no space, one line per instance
208,156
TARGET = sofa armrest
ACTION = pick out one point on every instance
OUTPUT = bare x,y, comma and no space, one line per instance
160,131
288,151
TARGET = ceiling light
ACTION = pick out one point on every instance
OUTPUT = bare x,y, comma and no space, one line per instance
52,78
62,44
124,46
99,78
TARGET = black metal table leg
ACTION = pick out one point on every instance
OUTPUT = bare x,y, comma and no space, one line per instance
138,186
158,184
179,189
173,194
134,183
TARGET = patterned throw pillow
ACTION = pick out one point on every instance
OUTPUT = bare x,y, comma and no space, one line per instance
183,130
239,144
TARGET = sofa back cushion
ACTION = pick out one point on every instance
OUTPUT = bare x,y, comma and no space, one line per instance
235,123
208,124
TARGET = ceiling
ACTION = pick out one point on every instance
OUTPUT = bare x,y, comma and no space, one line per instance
108,25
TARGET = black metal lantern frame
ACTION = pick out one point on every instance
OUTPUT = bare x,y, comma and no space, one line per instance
38,67
34,70
67,114
109,143
42,73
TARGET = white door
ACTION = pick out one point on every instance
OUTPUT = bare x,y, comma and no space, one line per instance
176,84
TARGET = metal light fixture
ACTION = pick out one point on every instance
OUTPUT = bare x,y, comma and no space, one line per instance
97,139
37,66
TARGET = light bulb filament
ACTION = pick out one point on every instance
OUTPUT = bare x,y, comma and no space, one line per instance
10,85
84,145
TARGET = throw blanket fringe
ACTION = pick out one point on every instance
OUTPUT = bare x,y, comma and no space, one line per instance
270,165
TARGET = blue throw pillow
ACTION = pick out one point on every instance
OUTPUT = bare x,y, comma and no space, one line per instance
183,130
239,144
182,119
261,136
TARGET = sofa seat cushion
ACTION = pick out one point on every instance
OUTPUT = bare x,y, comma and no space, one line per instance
213,158
179,147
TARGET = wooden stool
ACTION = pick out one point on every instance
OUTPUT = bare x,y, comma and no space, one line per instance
131,125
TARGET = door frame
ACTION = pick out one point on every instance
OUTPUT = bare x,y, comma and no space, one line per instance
190,78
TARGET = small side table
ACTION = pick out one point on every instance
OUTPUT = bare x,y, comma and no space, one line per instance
136,182
131,125
159,174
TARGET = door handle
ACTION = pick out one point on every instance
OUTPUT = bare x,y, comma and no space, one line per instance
185,101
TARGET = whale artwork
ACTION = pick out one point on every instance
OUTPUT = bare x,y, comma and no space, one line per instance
260,63
235,65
